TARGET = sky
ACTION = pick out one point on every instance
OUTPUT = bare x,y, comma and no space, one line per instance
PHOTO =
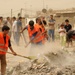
33,5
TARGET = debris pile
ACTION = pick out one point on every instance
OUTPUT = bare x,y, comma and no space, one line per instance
48,64
69,70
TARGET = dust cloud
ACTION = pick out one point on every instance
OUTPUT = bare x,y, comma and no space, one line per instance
50,59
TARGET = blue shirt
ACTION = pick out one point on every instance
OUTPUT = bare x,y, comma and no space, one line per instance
19,25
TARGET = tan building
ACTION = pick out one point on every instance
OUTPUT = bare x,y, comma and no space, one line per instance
65,14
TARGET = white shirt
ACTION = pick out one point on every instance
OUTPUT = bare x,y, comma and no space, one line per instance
14,26
62,32
9,25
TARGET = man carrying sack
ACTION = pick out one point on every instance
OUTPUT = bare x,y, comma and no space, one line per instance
4,44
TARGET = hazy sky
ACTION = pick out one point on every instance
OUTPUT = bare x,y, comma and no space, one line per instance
6,5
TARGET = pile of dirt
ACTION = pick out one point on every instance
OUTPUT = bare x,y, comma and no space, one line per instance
60,63
34,67
68,70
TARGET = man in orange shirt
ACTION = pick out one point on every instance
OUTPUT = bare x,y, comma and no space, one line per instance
34,32
40,24
4,44
36,37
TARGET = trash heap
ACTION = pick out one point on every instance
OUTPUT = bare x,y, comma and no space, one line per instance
47,64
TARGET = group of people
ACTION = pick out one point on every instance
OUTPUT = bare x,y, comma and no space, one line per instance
65,31
37,32
4,44
37,35
5,36
15,26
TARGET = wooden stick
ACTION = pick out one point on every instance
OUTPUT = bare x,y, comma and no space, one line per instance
24,38
17,54
44,27
34,39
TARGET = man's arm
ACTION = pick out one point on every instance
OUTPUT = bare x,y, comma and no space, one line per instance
62,31
14,53
70,27
51,22
10,47
24,29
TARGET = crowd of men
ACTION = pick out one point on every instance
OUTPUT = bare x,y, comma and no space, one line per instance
37,32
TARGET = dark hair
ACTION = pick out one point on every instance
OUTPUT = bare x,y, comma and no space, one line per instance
20,18
31,22
8,18
1,17
51,15
38,18
66,20
14,17
61,25
5,28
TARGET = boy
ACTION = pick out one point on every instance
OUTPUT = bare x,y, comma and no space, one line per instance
62,33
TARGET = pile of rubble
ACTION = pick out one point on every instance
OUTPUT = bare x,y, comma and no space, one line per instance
48,64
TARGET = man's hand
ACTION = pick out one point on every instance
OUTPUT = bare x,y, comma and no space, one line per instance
14,53
21,31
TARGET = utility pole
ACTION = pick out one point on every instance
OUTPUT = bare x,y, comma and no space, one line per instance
21,12
47,7
25,8
43,4
11,13
11,17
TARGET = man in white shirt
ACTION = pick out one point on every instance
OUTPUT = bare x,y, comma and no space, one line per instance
17,27
9,24
14,29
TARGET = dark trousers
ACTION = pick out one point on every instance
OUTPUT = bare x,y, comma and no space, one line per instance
3,63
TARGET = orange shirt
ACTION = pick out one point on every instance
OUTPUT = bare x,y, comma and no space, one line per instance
42,31
31,32
3,45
